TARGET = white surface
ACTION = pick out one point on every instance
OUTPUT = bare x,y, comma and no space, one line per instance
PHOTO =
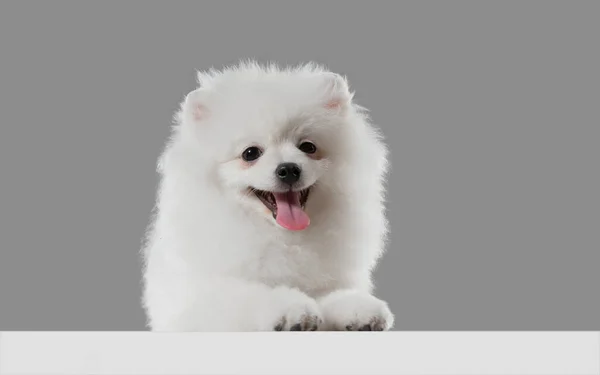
300,353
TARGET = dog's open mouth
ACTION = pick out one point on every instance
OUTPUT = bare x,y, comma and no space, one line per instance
287,208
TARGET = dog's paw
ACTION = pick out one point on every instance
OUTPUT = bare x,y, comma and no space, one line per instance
294,311
299,319
355,311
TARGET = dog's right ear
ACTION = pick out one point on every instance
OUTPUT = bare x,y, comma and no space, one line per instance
194,108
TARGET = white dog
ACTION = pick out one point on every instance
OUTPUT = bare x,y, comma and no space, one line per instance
270,212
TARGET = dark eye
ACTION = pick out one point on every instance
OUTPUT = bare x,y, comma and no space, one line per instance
308,147
251,153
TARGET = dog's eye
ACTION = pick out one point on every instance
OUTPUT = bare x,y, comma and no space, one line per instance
251,153
308,147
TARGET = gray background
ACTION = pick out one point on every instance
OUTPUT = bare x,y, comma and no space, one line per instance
491,111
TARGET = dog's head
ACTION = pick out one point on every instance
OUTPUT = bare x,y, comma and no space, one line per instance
271,135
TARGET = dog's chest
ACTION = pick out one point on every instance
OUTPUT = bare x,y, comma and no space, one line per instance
306,267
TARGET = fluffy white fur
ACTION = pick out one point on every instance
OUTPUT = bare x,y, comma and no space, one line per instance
215,259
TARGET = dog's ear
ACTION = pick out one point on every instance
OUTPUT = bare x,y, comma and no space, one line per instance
194,108
337,93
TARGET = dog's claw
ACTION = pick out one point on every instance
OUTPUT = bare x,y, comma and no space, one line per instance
375,325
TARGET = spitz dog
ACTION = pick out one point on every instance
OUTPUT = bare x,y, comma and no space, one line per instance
270,210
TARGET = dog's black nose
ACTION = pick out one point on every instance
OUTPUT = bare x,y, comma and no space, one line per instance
288,172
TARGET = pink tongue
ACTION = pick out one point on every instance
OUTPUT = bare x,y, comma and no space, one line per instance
289,213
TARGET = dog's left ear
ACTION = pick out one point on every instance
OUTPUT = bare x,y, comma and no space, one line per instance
337,93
